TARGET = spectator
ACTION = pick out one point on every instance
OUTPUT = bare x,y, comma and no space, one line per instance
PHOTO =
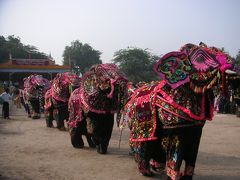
6,98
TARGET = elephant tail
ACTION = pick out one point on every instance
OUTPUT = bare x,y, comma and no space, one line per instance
112,83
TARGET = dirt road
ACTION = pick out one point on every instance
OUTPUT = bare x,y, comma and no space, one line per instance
29,150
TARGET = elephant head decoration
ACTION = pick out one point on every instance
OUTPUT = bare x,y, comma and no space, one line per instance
35,86
166,117
102,93
56,98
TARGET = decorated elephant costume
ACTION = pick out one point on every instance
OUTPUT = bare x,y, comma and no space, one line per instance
166,117
102,93
35,86
56,98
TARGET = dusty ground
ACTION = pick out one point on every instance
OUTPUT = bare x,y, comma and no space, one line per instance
29,150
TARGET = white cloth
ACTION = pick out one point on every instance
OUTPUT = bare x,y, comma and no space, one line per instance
6,97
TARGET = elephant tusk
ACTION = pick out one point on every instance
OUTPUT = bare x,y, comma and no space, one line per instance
230,72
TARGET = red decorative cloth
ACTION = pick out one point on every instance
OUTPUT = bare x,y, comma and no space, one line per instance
175,108
32,83
61,88
103,89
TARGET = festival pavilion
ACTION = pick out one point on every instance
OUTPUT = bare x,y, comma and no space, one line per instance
13,71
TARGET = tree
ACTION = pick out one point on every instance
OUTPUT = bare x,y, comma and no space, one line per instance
137,64
81,55
3,50
12,45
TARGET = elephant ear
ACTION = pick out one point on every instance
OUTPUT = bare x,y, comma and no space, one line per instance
174,67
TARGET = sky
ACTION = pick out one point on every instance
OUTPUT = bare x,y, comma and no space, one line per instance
160,26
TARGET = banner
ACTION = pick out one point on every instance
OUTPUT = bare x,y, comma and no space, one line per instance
37,62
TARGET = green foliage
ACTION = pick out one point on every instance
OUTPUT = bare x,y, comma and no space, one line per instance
137,64
14,46
81,55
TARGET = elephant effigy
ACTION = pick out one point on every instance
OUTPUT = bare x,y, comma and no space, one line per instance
35,86
56,98
102,93
166,117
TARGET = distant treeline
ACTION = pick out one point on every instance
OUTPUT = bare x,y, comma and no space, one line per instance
12,46
136,63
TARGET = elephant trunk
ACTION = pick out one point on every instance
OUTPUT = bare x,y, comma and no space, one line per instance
113,82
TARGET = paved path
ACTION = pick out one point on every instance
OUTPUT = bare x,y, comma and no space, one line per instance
29,150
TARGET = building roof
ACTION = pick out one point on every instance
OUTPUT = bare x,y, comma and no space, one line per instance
32,65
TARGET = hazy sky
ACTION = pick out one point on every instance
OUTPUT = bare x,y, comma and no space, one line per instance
109,25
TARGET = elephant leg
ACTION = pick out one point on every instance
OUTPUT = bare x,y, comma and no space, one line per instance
49,117
172,143
76,135
90,141
192,137
102,132
57,118
28,110
62,115
36,108
85,131
158,155
142,157
107,132
60,121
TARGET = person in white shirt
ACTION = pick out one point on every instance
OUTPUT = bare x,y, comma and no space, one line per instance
6,97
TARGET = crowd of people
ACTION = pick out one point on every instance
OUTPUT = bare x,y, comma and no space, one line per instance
15,95
227,103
